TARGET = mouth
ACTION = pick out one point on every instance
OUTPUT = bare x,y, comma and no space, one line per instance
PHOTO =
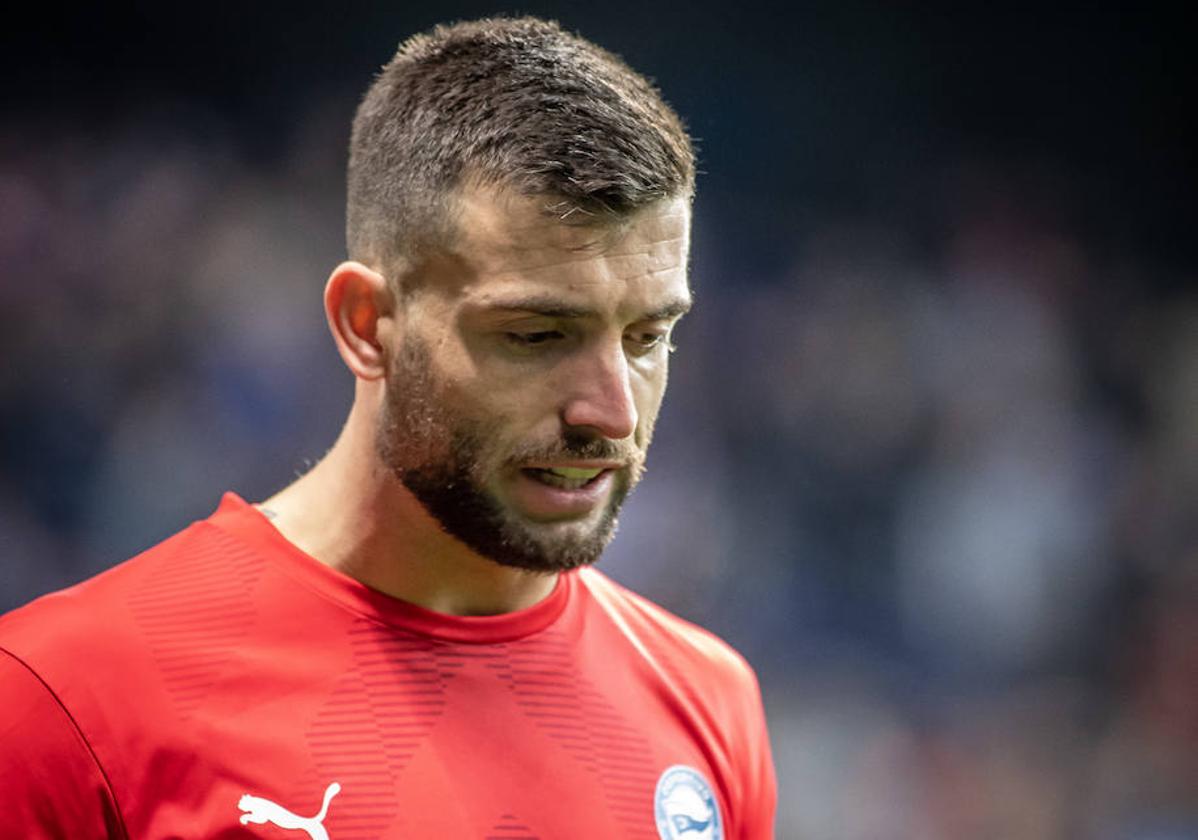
565,478
550,492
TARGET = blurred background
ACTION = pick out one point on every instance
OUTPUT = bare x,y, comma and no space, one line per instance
929,458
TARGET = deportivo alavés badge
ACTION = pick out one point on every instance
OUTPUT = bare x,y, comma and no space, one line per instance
685,806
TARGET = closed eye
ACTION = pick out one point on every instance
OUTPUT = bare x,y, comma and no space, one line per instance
532,339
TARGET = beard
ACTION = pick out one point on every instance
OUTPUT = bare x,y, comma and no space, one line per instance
443,458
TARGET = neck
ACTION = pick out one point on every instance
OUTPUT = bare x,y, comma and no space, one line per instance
353,515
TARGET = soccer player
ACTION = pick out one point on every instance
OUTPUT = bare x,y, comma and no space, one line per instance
409,642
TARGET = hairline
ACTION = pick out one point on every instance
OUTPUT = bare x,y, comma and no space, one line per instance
445,230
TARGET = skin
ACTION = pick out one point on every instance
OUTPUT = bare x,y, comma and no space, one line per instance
533,332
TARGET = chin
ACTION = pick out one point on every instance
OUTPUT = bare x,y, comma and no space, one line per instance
552,547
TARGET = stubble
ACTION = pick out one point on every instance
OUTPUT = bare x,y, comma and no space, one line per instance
443,458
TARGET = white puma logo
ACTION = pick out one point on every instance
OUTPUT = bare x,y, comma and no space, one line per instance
259,810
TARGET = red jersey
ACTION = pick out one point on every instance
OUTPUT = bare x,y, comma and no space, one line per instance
226,685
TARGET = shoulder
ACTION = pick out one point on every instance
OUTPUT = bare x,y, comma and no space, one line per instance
682,647
86,614
40,742
700,681
116,622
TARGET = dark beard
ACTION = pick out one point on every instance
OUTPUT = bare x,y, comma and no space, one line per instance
437,456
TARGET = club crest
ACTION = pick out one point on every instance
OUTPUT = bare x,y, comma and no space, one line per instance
685,806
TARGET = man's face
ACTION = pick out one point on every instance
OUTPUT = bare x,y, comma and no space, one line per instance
523,393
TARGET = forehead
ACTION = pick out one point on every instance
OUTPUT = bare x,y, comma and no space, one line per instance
511,245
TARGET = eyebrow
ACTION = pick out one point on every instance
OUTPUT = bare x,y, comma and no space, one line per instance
551,307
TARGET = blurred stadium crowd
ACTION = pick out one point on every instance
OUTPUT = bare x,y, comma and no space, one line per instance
939,483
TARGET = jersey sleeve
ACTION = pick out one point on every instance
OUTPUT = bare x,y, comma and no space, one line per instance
760,782
52,785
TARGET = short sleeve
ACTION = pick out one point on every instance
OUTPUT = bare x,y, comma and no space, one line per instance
52,785
761,785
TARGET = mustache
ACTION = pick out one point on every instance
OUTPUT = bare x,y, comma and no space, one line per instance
582,448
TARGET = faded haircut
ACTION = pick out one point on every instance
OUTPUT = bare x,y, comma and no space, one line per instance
509,102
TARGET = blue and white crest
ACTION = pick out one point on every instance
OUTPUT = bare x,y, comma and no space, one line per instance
685,806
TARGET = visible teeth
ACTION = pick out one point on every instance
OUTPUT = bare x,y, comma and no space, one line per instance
575,472
567,478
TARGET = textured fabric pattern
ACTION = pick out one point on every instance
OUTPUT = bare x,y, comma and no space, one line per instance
224,684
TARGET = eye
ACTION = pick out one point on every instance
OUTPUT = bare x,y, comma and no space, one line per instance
646,340
529,340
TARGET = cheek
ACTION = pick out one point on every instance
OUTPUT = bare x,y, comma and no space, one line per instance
494,402
648,393
502,416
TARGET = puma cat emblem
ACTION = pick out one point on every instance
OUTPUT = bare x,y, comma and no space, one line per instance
259,810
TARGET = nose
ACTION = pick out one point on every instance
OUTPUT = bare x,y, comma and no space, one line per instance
599,395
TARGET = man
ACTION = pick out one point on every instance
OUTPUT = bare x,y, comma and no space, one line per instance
408,642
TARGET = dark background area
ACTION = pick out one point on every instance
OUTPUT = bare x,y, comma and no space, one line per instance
929,456
831,107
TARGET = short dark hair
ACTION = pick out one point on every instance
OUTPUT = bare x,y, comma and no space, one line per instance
512,102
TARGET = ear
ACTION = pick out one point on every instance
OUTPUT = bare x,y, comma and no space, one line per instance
360,306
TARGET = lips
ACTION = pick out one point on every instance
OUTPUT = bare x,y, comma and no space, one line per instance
554,492
565,478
